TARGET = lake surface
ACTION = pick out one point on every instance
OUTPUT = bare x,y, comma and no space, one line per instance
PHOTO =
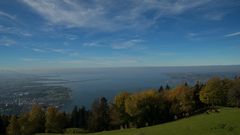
89,84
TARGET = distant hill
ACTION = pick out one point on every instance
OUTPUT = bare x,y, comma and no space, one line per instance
226,122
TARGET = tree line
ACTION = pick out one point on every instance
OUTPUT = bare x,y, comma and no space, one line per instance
139,109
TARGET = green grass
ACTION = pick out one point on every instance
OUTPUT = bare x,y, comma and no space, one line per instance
227,122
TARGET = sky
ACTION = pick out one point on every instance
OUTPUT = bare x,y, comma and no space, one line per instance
118,33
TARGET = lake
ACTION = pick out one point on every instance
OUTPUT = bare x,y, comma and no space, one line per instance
89,84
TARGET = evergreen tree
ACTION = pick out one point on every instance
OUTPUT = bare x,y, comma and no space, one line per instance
82,117
61,121
197,88
99,118
186,84
4,121
78,117
75,117
167,87
1,126
160,89
104,111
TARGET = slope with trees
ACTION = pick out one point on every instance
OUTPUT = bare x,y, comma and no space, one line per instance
139,109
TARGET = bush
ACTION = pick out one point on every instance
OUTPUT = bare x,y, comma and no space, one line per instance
75,131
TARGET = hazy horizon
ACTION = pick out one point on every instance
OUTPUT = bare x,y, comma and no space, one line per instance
234,67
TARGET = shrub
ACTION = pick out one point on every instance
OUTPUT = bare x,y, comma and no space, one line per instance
75,131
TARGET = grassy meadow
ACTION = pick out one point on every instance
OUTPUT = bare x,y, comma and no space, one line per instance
226,122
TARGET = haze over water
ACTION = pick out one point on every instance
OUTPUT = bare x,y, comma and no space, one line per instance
89,84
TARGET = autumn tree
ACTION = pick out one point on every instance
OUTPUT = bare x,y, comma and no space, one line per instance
182,101
119,106
25,127
33,121
115,119
55,121
146,108
13,128
37,119
234,94
215,92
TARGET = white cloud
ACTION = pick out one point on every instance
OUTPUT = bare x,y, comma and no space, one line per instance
68,13
7,15
71,36
116,44
127,44
101,62
215,16
38,50
14,31
62,51
95,44
86,61
232,34
201,35
168,53
194,36
105,15
6,41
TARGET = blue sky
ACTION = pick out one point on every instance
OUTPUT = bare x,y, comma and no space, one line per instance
111,33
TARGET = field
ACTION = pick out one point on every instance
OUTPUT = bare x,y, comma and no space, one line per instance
226,122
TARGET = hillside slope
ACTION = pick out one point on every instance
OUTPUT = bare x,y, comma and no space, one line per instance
227,122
